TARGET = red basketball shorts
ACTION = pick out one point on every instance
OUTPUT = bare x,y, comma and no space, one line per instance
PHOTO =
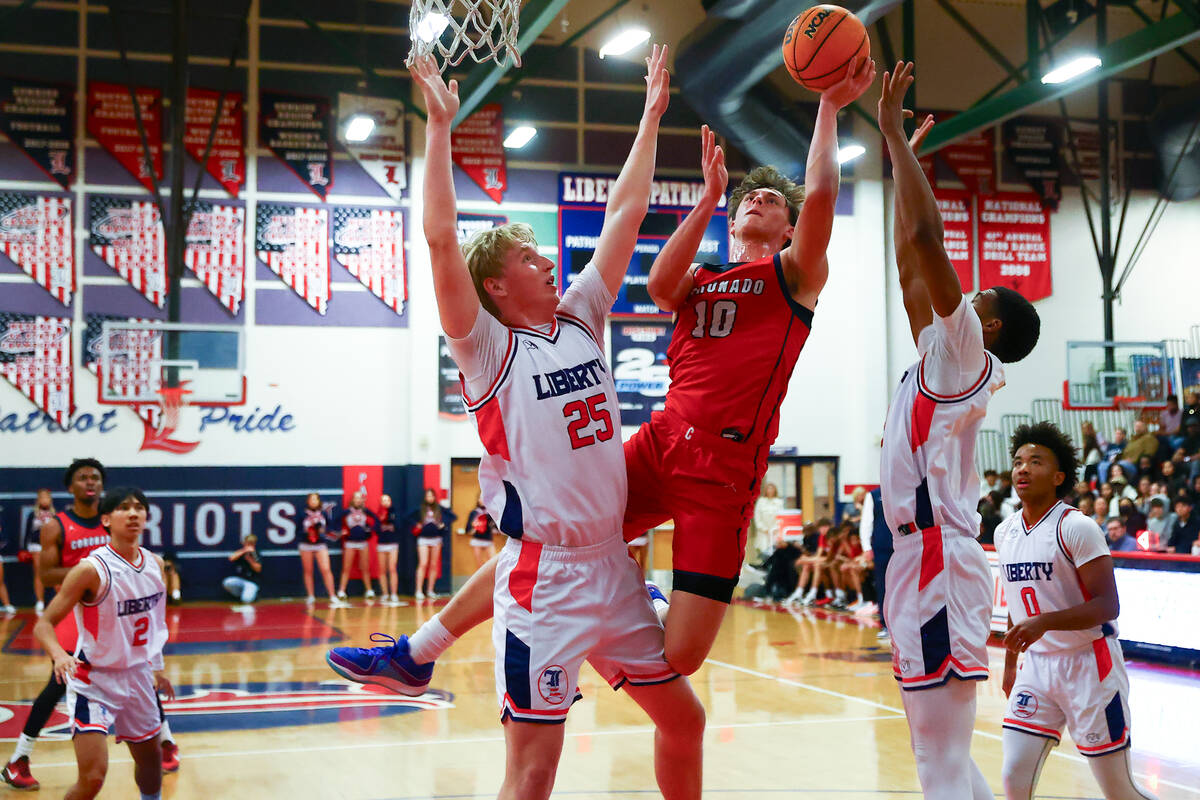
705,483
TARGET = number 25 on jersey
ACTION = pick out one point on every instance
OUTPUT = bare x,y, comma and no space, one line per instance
582,413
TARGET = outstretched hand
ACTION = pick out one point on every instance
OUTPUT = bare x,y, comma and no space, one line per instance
441,100
658,83
712,165
891,113
859,77
914,141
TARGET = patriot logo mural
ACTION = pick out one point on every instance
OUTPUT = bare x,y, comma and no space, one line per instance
369,242
35,232
35,357
294,243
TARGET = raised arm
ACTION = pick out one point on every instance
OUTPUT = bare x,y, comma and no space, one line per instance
670,280
804,264
458,305
630,196
918,223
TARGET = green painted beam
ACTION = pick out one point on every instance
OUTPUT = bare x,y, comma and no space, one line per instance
979,38
1118,56
535,16
1144,17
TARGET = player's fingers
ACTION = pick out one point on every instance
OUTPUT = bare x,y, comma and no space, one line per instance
907,113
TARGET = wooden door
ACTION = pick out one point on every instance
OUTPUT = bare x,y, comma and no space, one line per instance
464,491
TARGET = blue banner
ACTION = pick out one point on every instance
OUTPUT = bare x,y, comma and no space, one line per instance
638,356
581,203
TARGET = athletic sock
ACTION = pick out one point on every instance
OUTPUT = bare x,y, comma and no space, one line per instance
165,732
24,747
661,607
155,796
430,641
839,595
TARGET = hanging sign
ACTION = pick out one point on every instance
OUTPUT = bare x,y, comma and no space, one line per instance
958,237
1033,146
382,154
216,252
477,147
39,118
111,120
36,233
369,242
227,156
1014,244
294,243
35,357
298,131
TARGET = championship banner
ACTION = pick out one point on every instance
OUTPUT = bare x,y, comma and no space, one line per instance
638,355
35,357
1014,232
958,236
216,252
39,118
127,235
477,147
450,399
369,242
581,202
110,119
297,131
294,243
1033,146
36,233
973,160
471,224
381,155
227,158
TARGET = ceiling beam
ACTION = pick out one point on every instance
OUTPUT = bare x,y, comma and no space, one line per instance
535,17
1117,57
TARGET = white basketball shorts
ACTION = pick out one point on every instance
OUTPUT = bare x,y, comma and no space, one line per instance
118,701
938,607
1085,689
556,607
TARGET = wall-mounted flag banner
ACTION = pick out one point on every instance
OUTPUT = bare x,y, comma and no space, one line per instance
298,130
958,236
127,235
973,159
450,400
39,118
35,357
382,154
294,242
110,119
1033,145
477,147
227,158
370,243
1014,244
36,233
216,249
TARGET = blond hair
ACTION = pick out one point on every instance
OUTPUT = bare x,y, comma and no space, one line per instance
484,253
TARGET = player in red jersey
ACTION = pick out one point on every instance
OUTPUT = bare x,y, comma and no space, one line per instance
700,460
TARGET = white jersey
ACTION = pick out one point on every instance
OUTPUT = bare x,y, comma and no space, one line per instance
927,469
1039,566
126,625
545,406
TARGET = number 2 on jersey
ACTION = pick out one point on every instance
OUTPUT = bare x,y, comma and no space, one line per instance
720,324
1029,598
140,627
580,414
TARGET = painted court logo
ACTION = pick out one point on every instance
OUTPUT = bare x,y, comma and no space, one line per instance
1025,705
552,686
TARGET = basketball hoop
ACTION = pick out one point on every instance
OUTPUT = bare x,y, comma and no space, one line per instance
481,29
171,399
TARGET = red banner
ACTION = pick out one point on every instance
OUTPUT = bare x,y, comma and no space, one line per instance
958,214
227,158
35,357
477,147
1014,235
973,159
110,119
36,233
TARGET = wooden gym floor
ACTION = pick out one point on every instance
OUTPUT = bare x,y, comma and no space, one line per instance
799,704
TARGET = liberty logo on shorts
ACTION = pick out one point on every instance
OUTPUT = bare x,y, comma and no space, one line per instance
550,685
1025,705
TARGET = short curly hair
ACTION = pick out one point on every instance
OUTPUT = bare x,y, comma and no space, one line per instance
80,463
1048,435
1021,326
769,178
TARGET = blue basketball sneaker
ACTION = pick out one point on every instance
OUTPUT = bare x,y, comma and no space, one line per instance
390,666
655,593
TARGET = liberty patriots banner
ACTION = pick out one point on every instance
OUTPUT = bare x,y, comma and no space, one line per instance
216,252
298,131
39,118
36,233
111,120
294,243
382,154
369,242
227,158
127,235
35,357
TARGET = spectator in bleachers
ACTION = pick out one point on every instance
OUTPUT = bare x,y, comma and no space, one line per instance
1101,513
1160,522
1118,479
853,511
1119,540
849,564
1114,453
1191,406
1172,477
766,509
1092,450
1146,468
1191,445
989,517
1086,505
1128,514
1169,420
1143,443
1186,528
990,482
1145,490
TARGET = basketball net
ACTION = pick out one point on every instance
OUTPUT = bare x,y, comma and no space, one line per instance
451,30
170,400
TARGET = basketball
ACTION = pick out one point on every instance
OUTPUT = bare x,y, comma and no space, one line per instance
821,43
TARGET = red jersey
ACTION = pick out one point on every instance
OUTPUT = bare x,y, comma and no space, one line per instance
739,328
80,536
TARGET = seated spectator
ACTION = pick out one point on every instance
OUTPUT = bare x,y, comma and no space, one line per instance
1078,492
852,512
1191,445
813,567
1160,523
1145,490
1173,478
1092,450
1119,540
849,563
1101,513
781,581
1143,443
1107,493
1114,453
990,482
1186,528
1087,505
244,584
989,517
1128,514
1118,479
1146,468
1169,420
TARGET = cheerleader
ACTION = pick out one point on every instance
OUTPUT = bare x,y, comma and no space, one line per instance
315,535
388,551
356,524
481,528
431,522
43,511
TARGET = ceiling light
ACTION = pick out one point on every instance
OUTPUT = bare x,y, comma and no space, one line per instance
1071,69
359,128
850,152
430,27
624,41
520,136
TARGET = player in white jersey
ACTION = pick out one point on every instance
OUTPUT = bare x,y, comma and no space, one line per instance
1062,608
118,596
939,586
543,399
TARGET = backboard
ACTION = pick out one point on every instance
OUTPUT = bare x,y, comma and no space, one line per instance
1108,375
138,360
